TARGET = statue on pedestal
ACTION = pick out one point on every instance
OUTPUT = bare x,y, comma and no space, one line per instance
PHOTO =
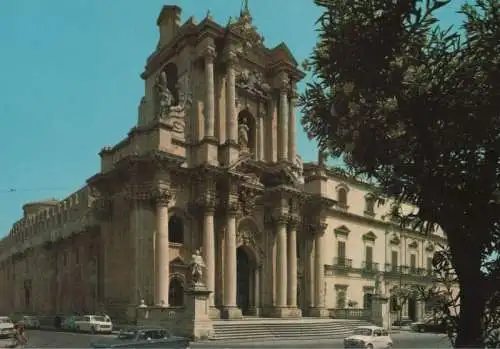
243,134
197,265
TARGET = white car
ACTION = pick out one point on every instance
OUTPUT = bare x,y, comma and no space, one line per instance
6,327
369,337
94,324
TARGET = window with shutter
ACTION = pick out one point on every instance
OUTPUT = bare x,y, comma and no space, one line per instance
394,260
413,262
341,252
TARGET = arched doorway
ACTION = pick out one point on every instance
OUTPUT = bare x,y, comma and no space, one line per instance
244,272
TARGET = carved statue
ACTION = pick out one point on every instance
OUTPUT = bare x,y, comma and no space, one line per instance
243,133
197,265
165,96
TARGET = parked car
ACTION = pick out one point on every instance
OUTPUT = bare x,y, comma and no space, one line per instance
147,337
430,325
94,324
30,321
370,337
402,323
6,327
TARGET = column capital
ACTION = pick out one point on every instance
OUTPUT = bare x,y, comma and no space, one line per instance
293,221
161,196
231,58
282,219
284,83
232,207
209,54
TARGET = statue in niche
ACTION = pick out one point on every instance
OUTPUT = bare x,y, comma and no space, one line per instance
243,130
197,265
165,96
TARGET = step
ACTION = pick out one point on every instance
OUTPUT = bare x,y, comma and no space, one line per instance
285,328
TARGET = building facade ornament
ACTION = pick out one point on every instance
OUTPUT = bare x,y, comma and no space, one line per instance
161,196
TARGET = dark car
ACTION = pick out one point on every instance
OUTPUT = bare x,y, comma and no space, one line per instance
402,323
432,325
143,337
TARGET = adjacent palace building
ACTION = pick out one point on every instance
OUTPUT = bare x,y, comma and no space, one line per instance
212,165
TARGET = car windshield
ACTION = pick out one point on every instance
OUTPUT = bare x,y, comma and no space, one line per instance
100,318
5,321
363,332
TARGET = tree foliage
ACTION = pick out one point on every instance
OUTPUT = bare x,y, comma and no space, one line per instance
416,107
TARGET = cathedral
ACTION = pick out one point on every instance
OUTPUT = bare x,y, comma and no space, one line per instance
211,169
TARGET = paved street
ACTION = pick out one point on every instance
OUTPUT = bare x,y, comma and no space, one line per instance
46,339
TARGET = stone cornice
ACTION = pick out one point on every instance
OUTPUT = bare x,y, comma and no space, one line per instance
384,225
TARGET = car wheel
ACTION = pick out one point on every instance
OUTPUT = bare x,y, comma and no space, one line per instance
369,346
421,330
92,329
77,329
389,346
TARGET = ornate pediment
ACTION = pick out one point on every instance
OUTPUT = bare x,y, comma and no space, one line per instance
395,240
413,244
370,236
342,230
244,28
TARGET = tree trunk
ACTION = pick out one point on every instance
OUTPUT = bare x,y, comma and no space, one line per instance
472,305
466,260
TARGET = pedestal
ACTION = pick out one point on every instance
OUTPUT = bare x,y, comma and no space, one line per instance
198,321
380,311
286,312
229,153
319,312
209,150
231,313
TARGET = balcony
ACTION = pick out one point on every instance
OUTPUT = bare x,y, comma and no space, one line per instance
342,263
406,271
369,267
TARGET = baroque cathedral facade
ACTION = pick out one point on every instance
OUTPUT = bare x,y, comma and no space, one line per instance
212,165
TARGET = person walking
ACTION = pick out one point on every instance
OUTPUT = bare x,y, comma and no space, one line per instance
20,339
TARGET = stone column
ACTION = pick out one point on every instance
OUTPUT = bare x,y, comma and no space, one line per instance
230,310
231,117
260,152
162,248
209,251
256,284
292,266
319,273
209,55
283,117
281,263
292,133
310,273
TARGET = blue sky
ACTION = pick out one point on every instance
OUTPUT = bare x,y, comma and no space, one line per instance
70,81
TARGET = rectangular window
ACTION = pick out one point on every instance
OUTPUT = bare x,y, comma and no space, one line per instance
413,262
341,252
429,264
394,260
341,299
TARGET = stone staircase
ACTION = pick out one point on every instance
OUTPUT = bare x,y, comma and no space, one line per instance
269,329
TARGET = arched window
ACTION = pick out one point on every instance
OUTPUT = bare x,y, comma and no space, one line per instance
342,197
176,292
176,229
